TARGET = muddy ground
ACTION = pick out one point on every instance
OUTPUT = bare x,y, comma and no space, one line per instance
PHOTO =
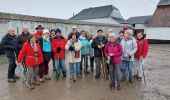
157,70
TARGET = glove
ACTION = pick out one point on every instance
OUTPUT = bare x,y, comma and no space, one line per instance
58,49
71,48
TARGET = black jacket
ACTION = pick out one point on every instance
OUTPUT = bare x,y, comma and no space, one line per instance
22,38
10,45
97,41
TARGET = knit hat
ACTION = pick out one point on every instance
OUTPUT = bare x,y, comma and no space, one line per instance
57,31
45,31
99,30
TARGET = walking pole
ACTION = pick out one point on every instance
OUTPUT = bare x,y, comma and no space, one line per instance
104,67
22,75
85,69
143,73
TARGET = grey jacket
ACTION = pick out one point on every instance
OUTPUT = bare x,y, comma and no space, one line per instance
129,47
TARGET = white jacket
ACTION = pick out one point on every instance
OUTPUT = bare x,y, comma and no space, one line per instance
71,54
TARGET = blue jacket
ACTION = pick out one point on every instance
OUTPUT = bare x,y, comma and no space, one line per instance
85,45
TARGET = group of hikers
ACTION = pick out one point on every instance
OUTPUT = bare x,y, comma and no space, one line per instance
109,54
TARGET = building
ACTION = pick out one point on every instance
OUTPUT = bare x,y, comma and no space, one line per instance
139,23
158,27
104,14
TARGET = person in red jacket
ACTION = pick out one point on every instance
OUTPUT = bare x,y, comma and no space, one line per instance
141,53
39,31
32,54
58,48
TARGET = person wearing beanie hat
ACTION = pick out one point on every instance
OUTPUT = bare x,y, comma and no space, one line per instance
58,48
98,44
45,43
129,48
113,52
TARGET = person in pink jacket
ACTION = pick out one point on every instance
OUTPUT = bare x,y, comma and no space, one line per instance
113,52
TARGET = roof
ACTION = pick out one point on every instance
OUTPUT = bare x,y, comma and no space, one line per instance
9,16
164,3
120,20
93,13
138,19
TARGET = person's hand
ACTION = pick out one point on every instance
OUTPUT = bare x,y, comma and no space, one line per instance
99,46
111,54
102,45
71,48
108,57
58,49
141,57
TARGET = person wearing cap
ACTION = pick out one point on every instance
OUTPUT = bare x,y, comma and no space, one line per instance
39,31
129,46
10,45
45,43
32,55
98,44
52,35
58,48
74,30
113,52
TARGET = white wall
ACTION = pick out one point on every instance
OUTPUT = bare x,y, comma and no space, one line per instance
139,26
160,33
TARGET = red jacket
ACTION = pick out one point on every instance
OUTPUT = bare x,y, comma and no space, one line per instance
142,48
37,34
115,49
59,43
28,54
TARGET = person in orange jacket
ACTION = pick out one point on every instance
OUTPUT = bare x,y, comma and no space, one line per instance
32,54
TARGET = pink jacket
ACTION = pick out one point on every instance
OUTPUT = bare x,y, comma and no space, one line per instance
116,50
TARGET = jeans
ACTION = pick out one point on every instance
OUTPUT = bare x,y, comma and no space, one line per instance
114,73
125,65
85,58
11,68
60,64
74,66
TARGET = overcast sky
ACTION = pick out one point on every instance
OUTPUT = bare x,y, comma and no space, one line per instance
64,8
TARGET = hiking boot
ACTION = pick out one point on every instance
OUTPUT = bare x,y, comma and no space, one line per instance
47,78
41,80
31,86
57,77
130,81
74,78
139,78
15,77
11,80
36,83
118,87
79,75
123,79
64,75
97,76
71,76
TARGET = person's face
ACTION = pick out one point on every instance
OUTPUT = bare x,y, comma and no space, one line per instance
112,39
40,30
33,40
121,35
25,30
58,34
52,33
74,29
11,32
126,35
100,33
73,37
83,34
139,35
46,35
